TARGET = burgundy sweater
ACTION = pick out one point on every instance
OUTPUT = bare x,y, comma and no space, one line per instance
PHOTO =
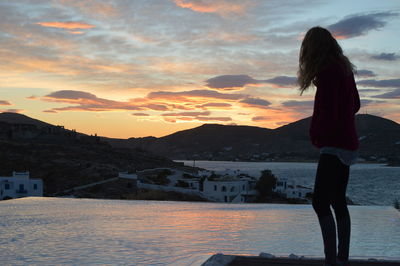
335,105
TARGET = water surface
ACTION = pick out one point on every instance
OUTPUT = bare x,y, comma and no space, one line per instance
50,231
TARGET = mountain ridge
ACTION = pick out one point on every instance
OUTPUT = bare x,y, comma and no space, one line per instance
379,141
14,118
378,138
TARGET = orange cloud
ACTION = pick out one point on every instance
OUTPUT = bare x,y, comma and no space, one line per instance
194,103
4,102
222,7
85,101
213,105
93,8
69,25
65,65
76,32
273,118
32,97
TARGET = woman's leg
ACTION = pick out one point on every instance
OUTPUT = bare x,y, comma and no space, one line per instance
323,193
339,205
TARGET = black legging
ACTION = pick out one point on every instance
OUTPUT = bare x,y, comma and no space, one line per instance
330,190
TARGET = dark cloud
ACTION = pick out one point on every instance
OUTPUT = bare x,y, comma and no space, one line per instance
218,105
12,110
255,102
140,114
385,83
156,107
71,94
364,73
298,104
49,111
386,56
283,81
389,95
230,81
358,25
260,118
2,102
158,101
89,102
368,90
239,81
365,102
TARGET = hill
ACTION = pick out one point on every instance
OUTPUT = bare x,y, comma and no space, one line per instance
64,158
15,118
379,142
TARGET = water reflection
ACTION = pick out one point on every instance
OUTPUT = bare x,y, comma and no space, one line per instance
50,231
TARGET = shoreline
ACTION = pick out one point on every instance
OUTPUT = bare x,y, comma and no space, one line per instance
285,161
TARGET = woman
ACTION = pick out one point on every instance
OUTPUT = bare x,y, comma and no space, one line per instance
333,131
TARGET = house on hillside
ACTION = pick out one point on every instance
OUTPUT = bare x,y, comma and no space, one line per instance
230,189
188,183
20,185
290,190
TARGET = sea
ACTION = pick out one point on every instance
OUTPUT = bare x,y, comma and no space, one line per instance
369,184
68,231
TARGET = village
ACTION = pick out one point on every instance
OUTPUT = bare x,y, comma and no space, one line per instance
216,186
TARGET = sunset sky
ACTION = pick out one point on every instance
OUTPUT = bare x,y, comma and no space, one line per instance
134,68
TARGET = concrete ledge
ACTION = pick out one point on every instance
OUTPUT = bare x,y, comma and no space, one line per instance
219,260
266,259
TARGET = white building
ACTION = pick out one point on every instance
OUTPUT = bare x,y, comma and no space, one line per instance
204,173
20,185
191,183
226,186
290,190
229,189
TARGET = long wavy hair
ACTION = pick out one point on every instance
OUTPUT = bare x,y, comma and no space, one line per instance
318,49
